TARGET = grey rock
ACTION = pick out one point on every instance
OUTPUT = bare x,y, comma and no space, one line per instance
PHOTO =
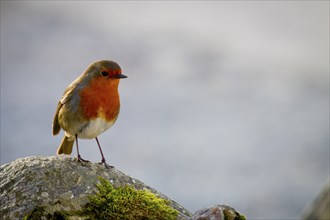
59,183
62,183
218,212
320,207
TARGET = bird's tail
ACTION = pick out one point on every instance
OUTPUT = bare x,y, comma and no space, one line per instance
66,146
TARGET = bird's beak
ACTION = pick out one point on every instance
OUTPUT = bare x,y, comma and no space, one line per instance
120,76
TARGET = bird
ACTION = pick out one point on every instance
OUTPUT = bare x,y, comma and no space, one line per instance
89,106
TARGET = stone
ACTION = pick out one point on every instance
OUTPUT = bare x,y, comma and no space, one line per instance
320,207
59,183
218,212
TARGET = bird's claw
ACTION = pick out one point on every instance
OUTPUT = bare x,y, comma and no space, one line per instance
81,160
106,165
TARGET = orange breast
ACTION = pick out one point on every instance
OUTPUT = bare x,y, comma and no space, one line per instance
100,99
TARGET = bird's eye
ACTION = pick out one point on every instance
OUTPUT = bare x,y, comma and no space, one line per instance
104,73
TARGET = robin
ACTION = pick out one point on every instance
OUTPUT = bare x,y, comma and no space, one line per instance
89,106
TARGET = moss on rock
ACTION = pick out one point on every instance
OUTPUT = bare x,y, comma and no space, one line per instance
111,202
36,213
126,203
231,214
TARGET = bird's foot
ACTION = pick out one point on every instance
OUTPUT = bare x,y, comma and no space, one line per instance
81,160
105,164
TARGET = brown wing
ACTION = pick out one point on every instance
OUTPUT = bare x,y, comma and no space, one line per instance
72,89
56,123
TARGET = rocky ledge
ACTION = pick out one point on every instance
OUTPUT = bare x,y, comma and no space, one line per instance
61,183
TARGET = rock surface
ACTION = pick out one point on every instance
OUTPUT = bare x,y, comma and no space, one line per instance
61,183
57,181
218,212
320,208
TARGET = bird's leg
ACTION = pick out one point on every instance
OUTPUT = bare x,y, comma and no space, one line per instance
79,157
103,159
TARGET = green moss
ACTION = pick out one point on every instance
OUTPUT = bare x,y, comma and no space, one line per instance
126,203
35,214
241,217
114,203
230,215
39,212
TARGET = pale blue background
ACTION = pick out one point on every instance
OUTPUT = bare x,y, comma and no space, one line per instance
225,102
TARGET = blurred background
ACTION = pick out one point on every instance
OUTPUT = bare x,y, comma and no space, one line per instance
225,102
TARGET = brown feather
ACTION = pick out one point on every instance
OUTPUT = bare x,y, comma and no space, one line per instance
56,123
65,146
